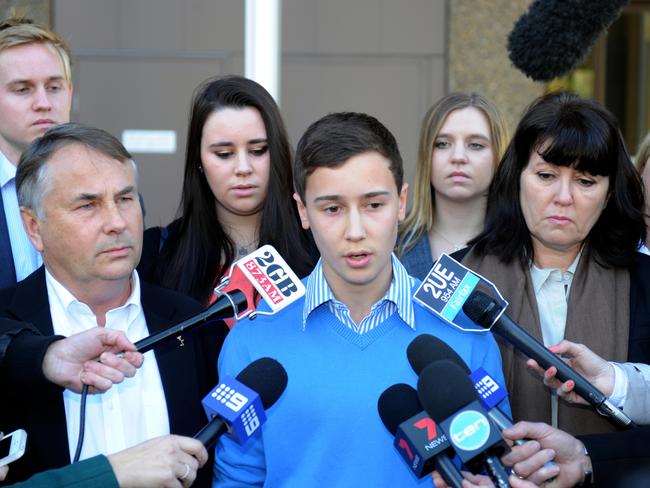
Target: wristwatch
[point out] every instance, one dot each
(588, 473)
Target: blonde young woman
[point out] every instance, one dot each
(461, 142)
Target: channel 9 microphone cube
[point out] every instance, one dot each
(238, 405)
(488, 390)
(471, 432)
(419, 441)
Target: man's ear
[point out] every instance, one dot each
(32, 225)
(304, 220)
(403, 199)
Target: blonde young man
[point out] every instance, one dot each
(35, 94)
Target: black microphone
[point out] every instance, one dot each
(487, 313)
(426, 349)
(266, 378)
(554, 36)
(417, 437)
(448, 395)
(227, 305)
(266, 270)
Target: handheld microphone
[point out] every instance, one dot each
(238, 405)
(417, 438)
(426, 349)
(228, 305)
(485, 311)
(448, 395)
(554, 36)
(271, 276)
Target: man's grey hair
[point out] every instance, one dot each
(32, 183)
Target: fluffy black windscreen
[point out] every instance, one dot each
(554, 36)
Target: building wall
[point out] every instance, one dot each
(478, 57)
(35, 9)
(137, 62)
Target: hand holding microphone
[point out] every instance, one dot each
(583, 360)
(91, 358)
(486, 312)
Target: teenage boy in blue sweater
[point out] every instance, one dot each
(345, 342)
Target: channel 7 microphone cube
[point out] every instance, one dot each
(238, 405)
(419, 440)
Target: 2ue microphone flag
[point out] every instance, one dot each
(446, 288)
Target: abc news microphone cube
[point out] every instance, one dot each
(471, 432)
(238, 405)
(419, 441)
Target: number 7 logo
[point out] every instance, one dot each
(429, 425)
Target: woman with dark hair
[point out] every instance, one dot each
(462, 139)
(564, 219)
(237, 192)
(642, 166)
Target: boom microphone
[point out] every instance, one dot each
(417, 438)
(486, 312)
(448, 395)
(239, 405)
(554, 36)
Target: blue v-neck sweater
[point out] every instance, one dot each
(325, 429)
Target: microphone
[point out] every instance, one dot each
(448, 395)
(487, 313)
(422, 445)
(554, 36)
(228, 305)
(238, 405)
(271, 276)
(426, 349)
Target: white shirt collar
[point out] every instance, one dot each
(68, 303)
(7, 170)
(540, 275)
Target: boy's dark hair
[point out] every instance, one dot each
(332, 140)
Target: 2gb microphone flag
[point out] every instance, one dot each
(271, 276)
(446, 288)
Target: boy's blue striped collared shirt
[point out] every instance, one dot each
(397, 298)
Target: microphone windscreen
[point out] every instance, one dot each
(481, 309)
(426, 349)
(554, 36)
(267, 378)
(397, 404)
(444, 388)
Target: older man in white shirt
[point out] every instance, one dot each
(77, 189)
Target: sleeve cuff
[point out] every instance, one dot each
(24, 360)
(619, 392)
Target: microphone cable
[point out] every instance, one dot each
(82, 423)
